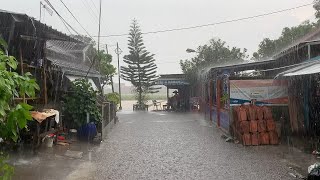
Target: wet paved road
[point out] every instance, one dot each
(179, 146)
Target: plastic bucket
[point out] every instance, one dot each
(48, 142)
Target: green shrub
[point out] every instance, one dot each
(6, 170)
(113, 97)
(80, 100)
(13, 117)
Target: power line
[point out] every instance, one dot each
(92, 13)
(93, 62)
(63, 20)
(216, 23)
(75, 18)
(85, 6)
(65, 25)
(94, 5)
(91, 10)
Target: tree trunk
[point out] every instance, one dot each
(140, 93)
(140, 88)
(102, 89)
(112, 87)
(140, 96)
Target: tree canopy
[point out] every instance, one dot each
(106, 68)
(215, 53)
(140, 68)
(268, 47)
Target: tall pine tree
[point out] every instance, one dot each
(140, 69)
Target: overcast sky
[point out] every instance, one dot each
(153, 15)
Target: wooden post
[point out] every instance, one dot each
(309, 51)
(109, 112)
(167, 94)
(22, 71)
(45, 77)
(218, 101)
(210, 100)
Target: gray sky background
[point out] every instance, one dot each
(152, 15)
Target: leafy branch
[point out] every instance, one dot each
(81, 100)
(13, 116)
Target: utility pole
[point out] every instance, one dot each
(107, 48)
(40, 10)
(111, 78)
(118, 52)
(102, 91)
(99, 27)
(45, 8)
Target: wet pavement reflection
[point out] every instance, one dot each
(164, 145)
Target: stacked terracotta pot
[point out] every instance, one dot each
(255, 126)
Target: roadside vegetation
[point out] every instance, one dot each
(14, 116)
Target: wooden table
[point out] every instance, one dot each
(43, 122)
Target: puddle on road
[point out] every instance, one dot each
(125, 112)
(90, 156)
(161, 114)
(22, 162)
(177, 121)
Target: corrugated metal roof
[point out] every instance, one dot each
(64, 51)
(172, 76)
(311, 36)
(172, 80)
(44, 31)
(70, 56)
(305, 68)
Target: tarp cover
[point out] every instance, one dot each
(41, 116)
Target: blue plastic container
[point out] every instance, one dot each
(87, 132)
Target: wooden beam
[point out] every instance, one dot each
(11, 33)
(210, 100)
(309, 51)
(218, 101)
(22, 71)
(167, 94)
(45, 76)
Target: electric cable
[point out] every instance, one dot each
(215, 23)
(76, 19)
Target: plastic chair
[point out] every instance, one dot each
(156, 104)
